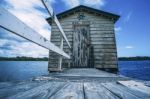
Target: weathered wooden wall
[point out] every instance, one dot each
(102, 38)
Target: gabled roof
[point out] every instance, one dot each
(89, 9)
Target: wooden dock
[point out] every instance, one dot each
(76, 84)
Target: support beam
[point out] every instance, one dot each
(60, 59)
(14, 25)
(51, 13)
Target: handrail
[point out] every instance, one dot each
(51, 13)
(14, 25)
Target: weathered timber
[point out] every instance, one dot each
(76, 84)
(119, 91)
(40, 91)
(52, 14)
(91, 37)
(72, 90)
(97, 91)
(136, 87)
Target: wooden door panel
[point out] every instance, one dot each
(81, 46)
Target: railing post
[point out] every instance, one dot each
(60, 59)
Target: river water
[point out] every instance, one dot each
(23, 70)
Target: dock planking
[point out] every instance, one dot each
(39, 91)
(97, 91)
(119, 91)
(136, 86)
(71, 91)
(55, 87)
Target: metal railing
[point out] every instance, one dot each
(11, 23)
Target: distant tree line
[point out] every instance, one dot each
(23, 58)
(138, 58)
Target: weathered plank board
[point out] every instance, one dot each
(41, 91)
(119, 91)
(138, 86)
(50, 10)
(88, 17)
(108, 35)
(105, 50)
(81, 49)
(147, 83)
(96, 91)
(66, 23)
(71, 91)
(105, 66)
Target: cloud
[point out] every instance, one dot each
(5, 45)
(127, 18)
(94, 3)
(27, 11)
(71, 3)
(4, 34)
(118, 29)
(14, 48)
(129, 47)
(30, 12)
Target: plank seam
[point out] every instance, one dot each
(84, 96)
(111, 91)
(58, 90)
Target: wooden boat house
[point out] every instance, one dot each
(92, 38)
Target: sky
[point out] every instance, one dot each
(132, 29)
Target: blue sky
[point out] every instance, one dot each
(132, 29)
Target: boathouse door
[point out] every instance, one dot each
(81, 49)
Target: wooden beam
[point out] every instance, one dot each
(14, 25)
(60, 59)
(50, 11)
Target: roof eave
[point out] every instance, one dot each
(111, 15)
